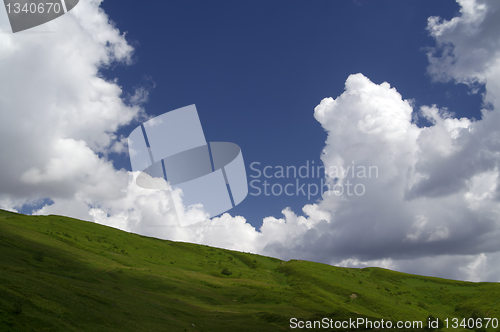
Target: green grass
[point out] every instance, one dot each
(63, 274)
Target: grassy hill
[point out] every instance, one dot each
(63, 274)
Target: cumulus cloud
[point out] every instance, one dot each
(433, 209)
(429, 207)
(427, 200)
(468, 46)
(56, 112)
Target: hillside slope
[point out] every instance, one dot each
(63, 274)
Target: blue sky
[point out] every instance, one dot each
(409, 87)
(257, 69)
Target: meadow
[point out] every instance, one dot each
(64, 274)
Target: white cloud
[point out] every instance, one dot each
(434, 199)
(56, 111)
(468, 46)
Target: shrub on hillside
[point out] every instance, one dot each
(226, 272)
(39, 256)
